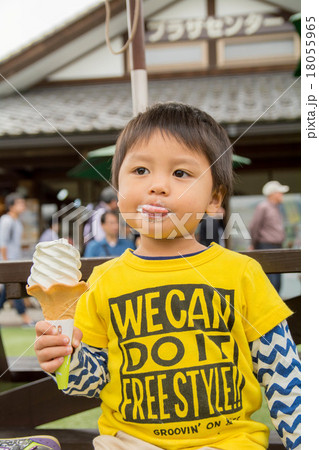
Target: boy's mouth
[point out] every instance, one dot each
(154, 212)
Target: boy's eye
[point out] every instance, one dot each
(180, 173)
(141, 171)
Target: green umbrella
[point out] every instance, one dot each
(100, 162)
(296, 20)
(239, 161)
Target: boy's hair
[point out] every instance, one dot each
(189, 126)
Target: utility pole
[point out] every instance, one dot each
(139, 83)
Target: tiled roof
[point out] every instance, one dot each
(104, 107)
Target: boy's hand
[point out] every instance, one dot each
(51, 347)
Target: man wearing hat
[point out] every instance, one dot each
(267, 226)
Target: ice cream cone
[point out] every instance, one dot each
(59, 300)
(58, 303)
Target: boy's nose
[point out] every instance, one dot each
(158, 188)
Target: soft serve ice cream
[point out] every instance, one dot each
(55, 281)
(55, 262)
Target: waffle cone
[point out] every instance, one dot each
(59, 300)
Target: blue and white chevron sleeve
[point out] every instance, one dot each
(88, 371)
(277, 366)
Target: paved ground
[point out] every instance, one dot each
(9, 317)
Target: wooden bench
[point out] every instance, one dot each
(39, 401)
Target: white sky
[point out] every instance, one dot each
(24, 21)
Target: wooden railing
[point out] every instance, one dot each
(39, 402)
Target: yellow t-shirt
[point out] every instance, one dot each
(178, 333)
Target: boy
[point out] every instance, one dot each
(173, 331)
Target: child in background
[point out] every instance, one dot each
(177, 336)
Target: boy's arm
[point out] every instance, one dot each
(88, 371)
(277, 367)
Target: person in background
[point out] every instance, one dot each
(51, 233)
(267, 227)
(93, 228)
(211, 229)
(111, 245)
(11, 230)
(136, 237)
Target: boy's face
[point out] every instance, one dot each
(165, 188)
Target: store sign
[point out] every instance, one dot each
(215, 27)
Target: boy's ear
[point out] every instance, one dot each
(216, 201)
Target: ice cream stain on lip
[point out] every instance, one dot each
(153, 210)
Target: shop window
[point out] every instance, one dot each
(170, 57)
(258, 50)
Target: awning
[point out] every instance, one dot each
(100, 162)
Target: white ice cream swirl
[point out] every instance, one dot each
(55, 262)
